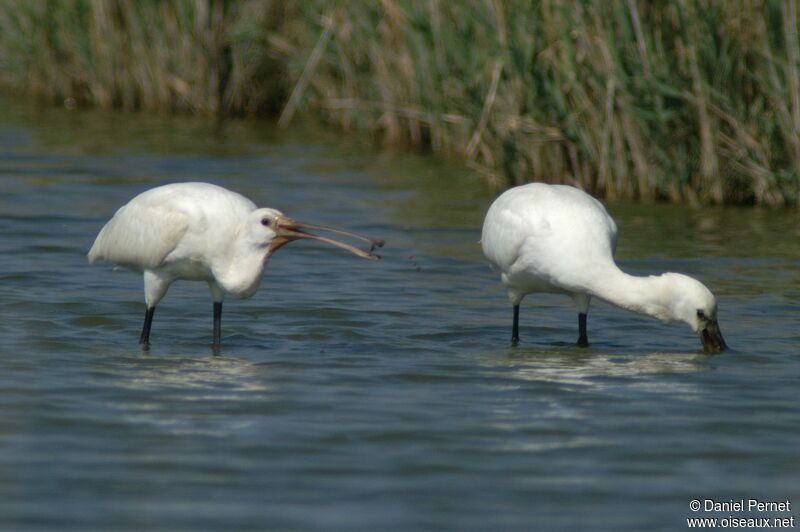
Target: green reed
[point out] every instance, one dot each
(685, 100)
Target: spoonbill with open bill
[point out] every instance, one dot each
(201, 232)
(557, 238)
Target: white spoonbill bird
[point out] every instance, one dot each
(201, 232)
(556, 238)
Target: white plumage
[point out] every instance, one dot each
(556, 238)
(200, 232)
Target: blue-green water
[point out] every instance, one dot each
(358, 395)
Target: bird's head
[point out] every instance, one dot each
(695, 305)
(272, 229)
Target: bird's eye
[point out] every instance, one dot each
(701, 314)
(265, 222)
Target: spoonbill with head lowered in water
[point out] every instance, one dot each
(201, 232)
(556, 238)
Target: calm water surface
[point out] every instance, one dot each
(357, 395)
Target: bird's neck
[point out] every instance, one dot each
(649, 295)
(240, 272)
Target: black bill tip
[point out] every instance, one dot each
(711, 338)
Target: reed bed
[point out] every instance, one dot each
(687, 100)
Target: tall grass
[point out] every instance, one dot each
(181, 55)
(685, 100)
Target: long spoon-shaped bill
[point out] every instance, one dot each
(289, 230)
(373, 242)
(711, 337)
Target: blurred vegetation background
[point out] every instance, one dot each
(682, 100)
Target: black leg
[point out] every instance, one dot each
(148, 321)
(515, 327)
(217, 322)
(583, 339)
